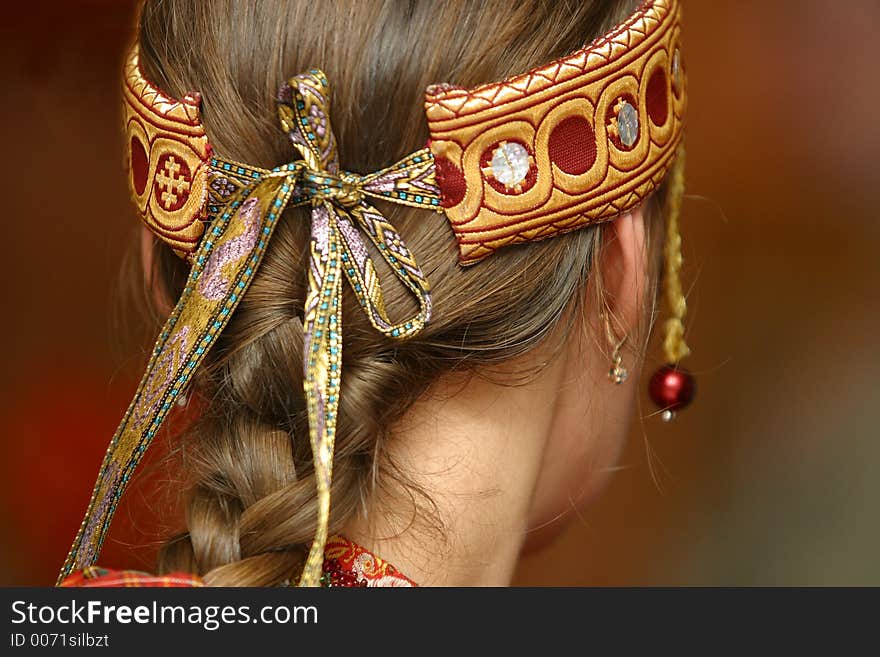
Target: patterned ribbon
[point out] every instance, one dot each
(244, 206)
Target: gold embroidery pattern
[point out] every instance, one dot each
(168, 159)
(627, 91)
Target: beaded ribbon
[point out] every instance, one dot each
(245, 204)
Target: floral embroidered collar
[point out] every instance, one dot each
(346, 564)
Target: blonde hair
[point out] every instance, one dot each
(251, 508)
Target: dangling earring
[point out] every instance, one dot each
(673, 387)
(618, 373)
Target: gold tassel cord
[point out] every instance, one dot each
(674, 346)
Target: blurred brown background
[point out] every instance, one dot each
(769, 479)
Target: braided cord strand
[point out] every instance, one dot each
(674, 346)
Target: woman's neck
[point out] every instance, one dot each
(474, 449)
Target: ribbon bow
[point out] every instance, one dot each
(339, 215)
(244, 206)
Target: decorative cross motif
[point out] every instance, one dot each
(170, 184)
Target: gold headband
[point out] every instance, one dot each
(580, 140)
(575, 142)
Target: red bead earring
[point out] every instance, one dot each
(673, 387)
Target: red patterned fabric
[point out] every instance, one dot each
(346, 564)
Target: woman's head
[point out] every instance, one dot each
(528, 311)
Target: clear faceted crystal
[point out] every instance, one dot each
(510, 164)
(627, 124)
(676, 69)
(618, 374)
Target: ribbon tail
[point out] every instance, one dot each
(322, 366)
(411, 181)
(364, 279)
(223, 267)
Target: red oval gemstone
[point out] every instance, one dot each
(139, 164)
(451, 182)
(572, 145)
(656, 97)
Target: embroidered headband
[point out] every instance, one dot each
(576, 142)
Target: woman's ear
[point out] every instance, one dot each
(592, 413)
(624, 267)
(161, 302)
